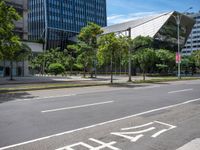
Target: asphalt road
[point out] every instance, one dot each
(154, 117)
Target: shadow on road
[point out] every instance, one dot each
(15, 96)
(127, 85)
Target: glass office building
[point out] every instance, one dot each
(55, 22)
(193, 42)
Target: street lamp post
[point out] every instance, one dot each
(178, 21)
(129, 62)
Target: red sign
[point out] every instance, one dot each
(178, 58)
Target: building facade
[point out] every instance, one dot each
(21, 29)
(193, 42)
(21, 26)
(56, 21)
(161, 27)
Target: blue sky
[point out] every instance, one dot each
(124, 10)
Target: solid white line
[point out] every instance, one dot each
(100, 124)
(180, 91)
(74, 107)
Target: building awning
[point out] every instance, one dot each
(35, 47)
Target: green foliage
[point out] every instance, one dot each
(196, 57)
(56, 68)
(111, 48)
(86, 47)
(71, 56)
(165, 60)
(9, 43)
(49, 57)
(146, 59)
(8, 16)
(140, 42)
(37, 62)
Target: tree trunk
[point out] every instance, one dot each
(4, 67)
(11, 69)
(111, 70)
(91, 73)
(23, 66)
(84, 72)
(71, 70)
(144, 75)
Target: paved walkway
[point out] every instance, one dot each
(59, 79)
(193, 145)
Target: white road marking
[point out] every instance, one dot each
(166, 124)
(136, 127)
(185, 90)
(159, 133)
(100, 124)
(47, 97)
(135, 138)
(74, 107)
(138, 132)
(147, 87)
(103, 145)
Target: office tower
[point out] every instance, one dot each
(56, 22)
(193, 42)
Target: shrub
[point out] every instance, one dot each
(56, 68)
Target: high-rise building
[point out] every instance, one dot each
(56, 21)
(193, 42)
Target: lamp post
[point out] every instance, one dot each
(178, 18)
(129, 62)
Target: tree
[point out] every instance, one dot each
(71, 53)
(165, 60)
(110, 49)
(196, 56)
(146, 59)
(140, 42)
(136, 44)
(37, 62)
(49, 57)
(88, 39)
(56, 68)
(9, 43)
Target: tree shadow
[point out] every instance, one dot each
(127, 85)
(7, 97)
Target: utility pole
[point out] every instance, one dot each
(178, 22)
(129, 62)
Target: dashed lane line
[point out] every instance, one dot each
(74, 107)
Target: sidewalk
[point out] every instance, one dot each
(41, 83)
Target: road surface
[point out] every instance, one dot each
(153, 117)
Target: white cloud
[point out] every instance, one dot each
(115, 19)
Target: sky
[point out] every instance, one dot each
(125, 10)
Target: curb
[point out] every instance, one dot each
(49, 88)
